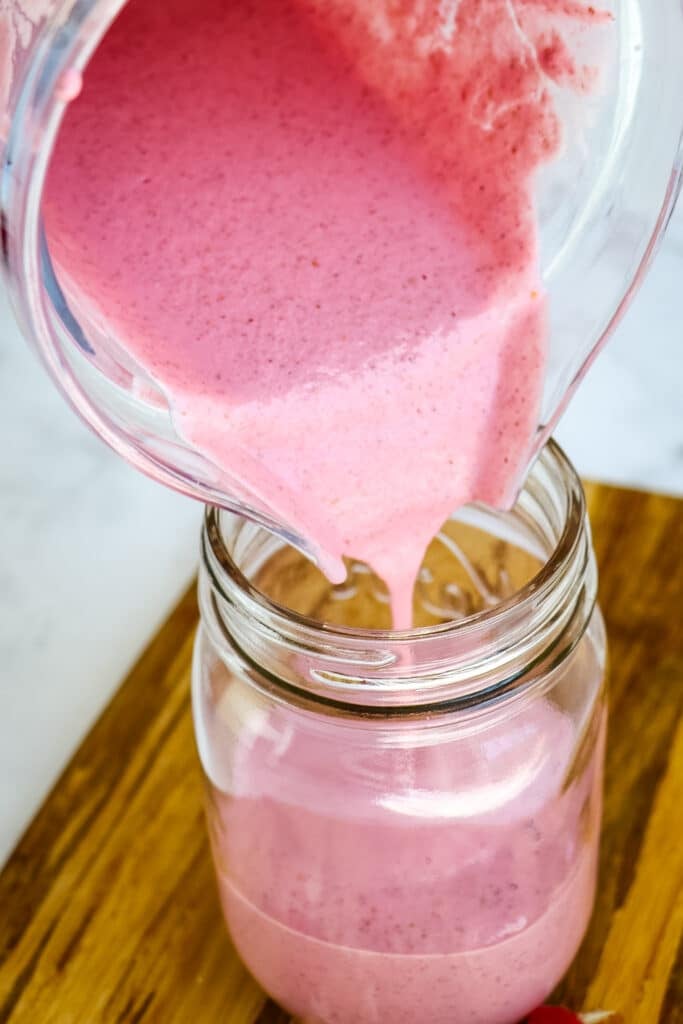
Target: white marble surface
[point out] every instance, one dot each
(94, 555)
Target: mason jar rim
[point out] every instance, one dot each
(223, 570)
(485, 657)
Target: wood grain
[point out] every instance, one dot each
(108, 908)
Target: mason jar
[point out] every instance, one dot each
(405, 825)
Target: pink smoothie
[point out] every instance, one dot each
(445, 885)
(312, 224)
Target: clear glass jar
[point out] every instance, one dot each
(602, 208)
(405, 825)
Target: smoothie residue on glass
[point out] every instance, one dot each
(312, 223)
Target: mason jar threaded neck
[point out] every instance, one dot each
(495, 654)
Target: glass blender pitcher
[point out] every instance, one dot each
(602, 205)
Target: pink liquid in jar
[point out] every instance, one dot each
(453, 888)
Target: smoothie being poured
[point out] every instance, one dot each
(312, 224)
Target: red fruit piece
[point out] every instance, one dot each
(553, 1015)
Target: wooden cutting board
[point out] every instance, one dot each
(108, 912)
